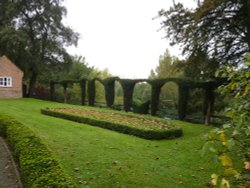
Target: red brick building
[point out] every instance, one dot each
(11, 79)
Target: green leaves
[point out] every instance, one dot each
(232, 140)
(214, 27)
(33, 36)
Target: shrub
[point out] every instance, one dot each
(230, 143)
(38, 168)
(141, 108)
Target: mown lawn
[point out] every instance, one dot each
(97, 157)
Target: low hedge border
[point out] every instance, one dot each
(37, 166)
(146, 134)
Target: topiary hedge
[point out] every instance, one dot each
(109, 86)
(154, 134)
(91, 92)
(83, 90)
(38, 168)
(156, 85)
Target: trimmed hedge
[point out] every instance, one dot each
(91, 92)
(38, 168)
(147, 134)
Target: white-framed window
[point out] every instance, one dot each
(5, 81)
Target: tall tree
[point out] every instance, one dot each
(167, 66)
(219, 28)
(32, 35)
(76, 70)
(199, 66)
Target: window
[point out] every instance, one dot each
(5, 82)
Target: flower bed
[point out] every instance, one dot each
(142, 126)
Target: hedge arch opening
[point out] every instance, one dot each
(128, 86)
(74, 94)
(58, 93)
(118, 102)
(142, 98)
(168, 101)
(100, 93)
(196, 105)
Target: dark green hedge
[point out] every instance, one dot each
(109, 86)
(147, 134)
(91, 92)
(38, 168)
(141, 108)
(83, 90)
(156, 85)
(128, 86)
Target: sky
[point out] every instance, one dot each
(120, 35)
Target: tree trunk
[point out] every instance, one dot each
(52, 91)
(209, 103)
(65, 94)
(246, 4)
(32, 84)
(208, 113)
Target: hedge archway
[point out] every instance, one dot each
(109, 87)
(83, 90)
(156, 85)
(128, 86)
(91, 92)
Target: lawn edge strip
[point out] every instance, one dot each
(146, 134)
(37, 165)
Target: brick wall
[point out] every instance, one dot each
(9, 69)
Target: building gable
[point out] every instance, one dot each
(11, 79)
(7, 65)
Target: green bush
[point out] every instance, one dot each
(147, 134)
(142, 108)
(38, 168)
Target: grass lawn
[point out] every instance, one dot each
(97, 157)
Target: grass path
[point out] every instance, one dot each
(96, 157)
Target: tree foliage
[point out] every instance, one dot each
(32, 35)
(219, 28)
(231, 142)
(169, 66)
(78, 69)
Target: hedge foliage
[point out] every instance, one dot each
(142, 108)
(156, 85)
(83, 90)
(109, 86)
(147, 134)
(91, 92)
(128, 86)
(38, 168)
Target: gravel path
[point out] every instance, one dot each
(9, 176)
